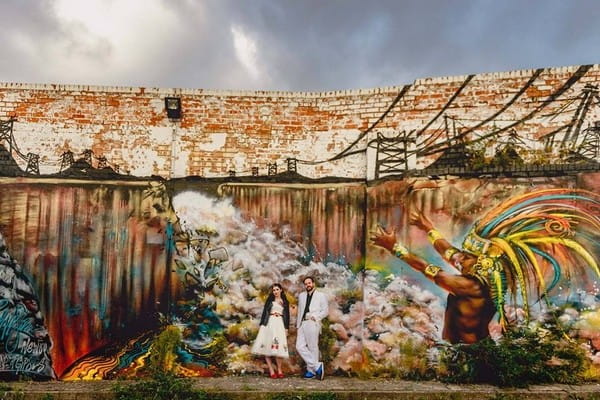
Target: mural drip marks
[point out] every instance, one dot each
(97, 256)
(326, 220)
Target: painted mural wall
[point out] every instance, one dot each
(250, 237)
(92, 272)
(473, 257)
(105, 267)
(85, 267)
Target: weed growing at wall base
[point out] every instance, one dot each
(163, 386)
(523, 356)
(162, 356)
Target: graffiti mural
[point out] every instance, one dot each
(409, 266)
(230, 258)
(25, 340)
(461, 260)
(222, 258)
(443, 261)
(96, 261)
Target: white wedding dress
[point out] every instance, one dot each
(272, 339)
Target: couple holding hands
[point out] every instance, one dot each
(271, 340)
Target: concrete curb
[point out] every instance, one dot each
(259, 388)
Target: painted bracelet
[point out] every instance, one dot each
(431, 270)
(434, 235)
(450, 252)
(399, 250)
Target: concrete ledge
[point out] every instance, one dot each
(259, 388)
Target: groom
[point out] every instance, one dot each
(312, 308)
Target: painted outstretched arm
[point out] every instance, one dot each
(455, 284)
(440, 244)
(387, 240)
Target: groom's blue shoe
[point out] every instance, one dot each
(320, 372)
(308, 375)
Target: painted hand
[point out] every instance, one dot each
(383, 238)
(419, 220)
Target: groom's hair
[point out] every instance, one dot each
(309, 277)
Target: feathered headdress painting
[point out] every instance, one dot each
(528, 244)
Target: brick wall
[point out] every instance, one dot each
(222, 131)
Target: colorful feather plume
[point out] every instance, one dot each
(529, 244)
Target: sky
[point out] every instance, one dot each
(288, 45)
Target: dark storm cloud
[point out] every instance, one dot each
(299, 45)
(339, 44)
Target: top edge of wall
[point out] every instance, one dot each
(193, 92)
(266, 93)
(519, 73)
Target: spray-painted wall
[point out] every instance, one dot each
(548, 231)
(95, 258)
(93, 271)
(109, 264)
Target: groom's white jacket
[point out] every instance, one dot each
(318, 308)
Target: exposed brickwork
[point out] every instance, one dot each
(223, 131)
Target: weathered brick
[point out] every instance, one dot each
(218, 126)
